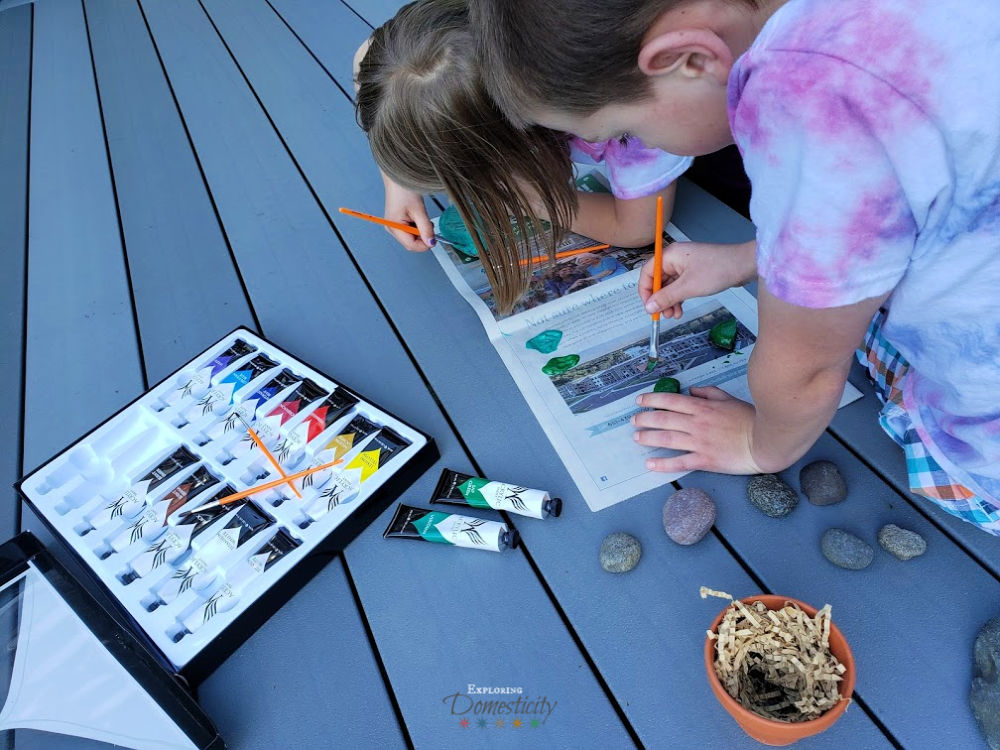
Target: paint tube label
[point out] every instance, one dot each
(461, 531)
(166, 549)
(482, 493)
(216, 401)
(130, 502)
(342, 489)
(193, 387)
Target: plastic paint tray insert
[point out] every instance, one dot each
(198, 583)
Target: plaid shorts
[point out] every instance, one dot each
(886, 367)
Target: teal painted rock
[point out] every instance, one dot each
(667, 385)
(723, 334)
(558, 365)
(453, 229)
(546, 342)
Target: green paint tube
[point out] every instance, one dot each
(455, 488)
(448, 528)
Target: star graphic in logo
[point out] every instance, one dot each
(500, 723)
(482, 723)
(464, 723)
(535, 723)
(516, 723)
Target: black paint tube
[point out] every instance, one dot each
(179, 538)
(448, 528)
(455, 488)
(237, 579)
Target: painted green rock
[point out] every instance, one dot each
(667, 385)
(558, 365)
(453, 229)
(723, 334)
(546, 342)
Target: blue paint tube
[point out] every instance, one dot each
(179, 537)
(217, 400)
(246, 410)
(194, 385)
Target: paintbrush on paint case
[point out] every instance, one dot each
(654, 331)
(266, 452)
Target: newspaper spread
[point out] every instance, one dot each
(584, 314)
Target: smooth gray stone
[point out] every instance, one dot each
(688, 514)
(845, 550)
(985, 694)
(901, 543)
(771, 495)
(620, 552)
(822, 483)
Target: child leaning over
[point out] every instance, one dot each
(869, 131)
(432, 127)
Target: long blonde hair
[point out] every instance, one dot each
(432, 126)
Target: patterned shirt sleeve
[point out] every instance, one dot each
(634, 170)
(821, 144)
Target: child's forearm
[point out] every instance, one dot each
(625, 223)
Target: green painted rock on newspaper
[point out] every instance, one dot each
(546, 342)
(453, 229)
(723, 334)
(558, 365)
(667, 385)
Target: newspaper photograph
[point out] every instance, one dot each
(576, 345)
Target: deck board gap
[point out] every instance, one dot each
(201, 172)
(114, 192)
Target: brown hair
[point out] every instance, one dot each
(574, 56)
(432, 127)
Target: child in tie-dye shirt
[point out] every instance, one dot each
(870, 130)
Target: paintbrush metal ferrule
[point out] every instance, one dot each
(654, 341)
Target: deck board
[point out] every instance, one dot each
(187, 292)
(82, 360)
(15, 80)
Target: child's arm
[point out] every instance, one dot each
(797, 373)
(625, 223)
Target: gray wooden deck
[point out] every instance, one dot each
(170, 169)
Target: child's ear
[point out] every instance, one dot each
(689, 52)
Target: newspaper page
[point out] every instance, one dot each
(576, 345)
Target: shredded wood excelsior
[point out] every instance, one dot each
(777, 664)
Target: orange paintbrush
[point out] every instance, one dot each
(654, 333)
(270, 457)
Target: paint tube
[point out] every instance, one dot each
(222, 394)
(179, 538)
(448, 528)
(292, 446)
(200, 571)
(153, 520)
(228, 594)
(268, 427)
(135, 498)
(196, 385)
(455, 488)
(247, 408)
(346, 483)
(353, 434)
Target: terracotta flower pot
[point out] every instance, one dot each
(772, 732)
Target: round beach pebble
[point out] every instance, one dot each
(688, 514)
(985, 694)
(822, 483)
(620, 552)
(771, 495)
(901, 543)
(845, 550)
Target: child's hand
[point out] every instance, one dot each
(695, 269)
(714, 428)
(407, 207)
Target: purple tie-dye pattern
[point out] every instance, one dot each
(869, 131)
(634, 170)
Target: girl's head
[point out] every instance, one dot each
(433, 127)
(657, 69)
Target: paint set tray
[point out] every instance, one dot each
(128, 497)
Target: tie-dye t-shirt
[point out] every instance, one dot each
(870, 130)
(633, 170)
